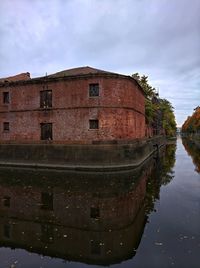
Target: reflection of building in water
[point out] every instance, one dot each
(94, 218)
(193, 149)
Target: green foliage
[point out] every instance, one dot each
(150, 109)
(143, 81)
(168, 118)
(159, 112)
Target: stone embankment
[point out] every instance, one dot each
(97, 156)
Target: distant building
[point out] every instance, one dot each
(77, 105)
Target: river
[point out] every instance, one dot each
(146, 218)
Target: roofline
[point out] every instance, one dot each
(45, 79)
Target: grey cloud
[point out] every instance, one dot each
(158, 38)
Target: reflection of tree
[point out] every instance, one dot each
(193, 149)
(161, 175)
(167, 173)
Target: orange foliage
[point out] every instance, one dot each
(192, 123)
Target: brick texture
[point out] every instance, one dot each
(119, 108)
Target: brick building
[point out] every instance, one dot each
(77, 105)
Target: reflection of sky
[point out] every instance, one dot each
(22, 258)
(158, 38)
(172, 237)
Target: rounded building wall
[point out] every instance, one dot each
(117, 113)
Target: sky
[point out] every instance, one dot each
(158, 38)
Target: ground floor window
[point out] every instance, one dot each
(47, 201)
(46, 131)
(6, 201)
(47, 233)
(7, 231)
(95, 247)
(6, 126)
(95, 213)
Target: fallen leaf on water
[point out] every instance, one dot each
(158, 243)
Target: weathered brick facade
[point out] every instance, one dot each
(116, 113)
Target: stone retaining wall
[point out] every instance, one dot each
(91, 156)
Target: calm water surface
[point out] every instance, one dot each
(146, 218)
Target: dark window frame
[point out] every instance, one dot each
(95, 247)
(94, 90)
(6, 97)
(47, 201)
(95, 212)
(46, 130)
(47, 233)
(94, 124)
(7, 231)
(6, 201)
(6, 126)
(46, 99)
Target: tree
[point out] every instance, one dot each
(192, 123)
(159, 112)
(168, 118)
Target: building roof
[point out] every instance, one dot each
(68, 74)
(18, 77)
(79, 71)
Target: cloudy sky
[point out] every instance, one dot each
(158, 38)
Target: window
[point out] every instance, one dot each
(46, 99)
(6, 126)
(6, 97)
(46, 131)
(47, 201)
(6, 201)
(95, 213)
(7, 231)
(94, 123)
(47, 233)
(93, 90)
(95, 247)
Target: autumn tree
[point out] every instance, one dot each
(192, 123)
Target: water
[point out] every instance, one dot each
(149, 217)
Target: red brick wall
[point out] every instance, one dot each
(119, 109)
